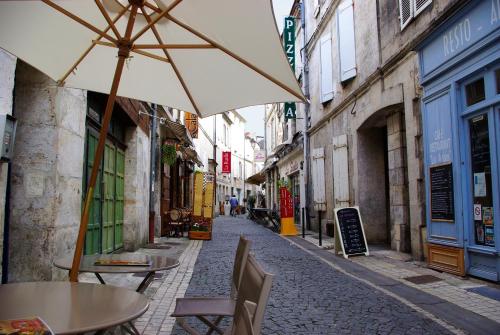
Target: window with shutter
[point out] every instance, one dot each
(420, 5)
(318, 176)
(326, 71)
(340, 171)
(346, 40)
(405, 12)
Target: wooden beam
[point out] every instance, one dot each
(236, 57)
(174, 67)
(122, 55)
(152, 22)
(108, 19)
(80, 20)
(172, 46)
(60, 82)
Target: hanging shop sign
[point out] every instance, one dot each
(289, 45)
(191, 123)
(226, 162)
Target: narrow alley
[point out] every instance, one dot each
(314, 291)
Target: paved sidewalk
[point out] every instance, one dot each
(457, 290)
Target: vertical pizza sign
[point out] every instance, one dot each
(226, 162)
(191, 122)
(289, 45)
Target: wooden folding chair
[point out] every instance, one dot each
(242, 323)
(220, 307)
(253, 294)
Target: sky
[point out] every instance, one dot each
(255, 115)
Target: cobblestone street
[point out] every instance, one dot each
(308, 296)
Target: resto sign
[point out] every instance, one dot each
(349, 234)
(478, 21)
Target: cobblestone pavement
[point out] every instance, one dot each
(308, 296)
(399, 266)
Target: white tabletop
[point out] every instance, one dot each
(70, 308)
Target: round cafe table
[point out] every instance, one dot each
(87, 264)
(70, 308)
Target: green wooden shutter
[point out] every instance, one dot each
(92, 238)
(119, 197)
(108, 208)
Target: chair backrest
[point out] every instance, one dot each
(255, 287)
(242, 321)
(240, 260)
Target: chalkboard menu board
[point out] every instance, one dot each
(442, 201)
(350, 231)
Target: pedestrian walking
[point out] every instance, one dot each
(234, 203)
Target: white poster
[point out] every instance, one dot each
(477, 212)
(479, 184)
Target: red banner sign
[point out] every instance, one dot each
(286, 203)
(226, 162)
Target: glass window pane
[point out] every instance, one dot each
(474, 92)
(482, 193)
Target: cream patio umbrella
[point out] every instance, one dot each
(200, 56)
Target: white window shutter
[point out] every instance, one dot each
(346, 40)
(340, 171)
(318, 174)
(405, 12)
(420, 5)
(326, 68)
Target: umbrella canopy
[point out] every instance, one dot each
(199, 56)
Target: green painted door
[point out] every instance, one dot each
(108, 206)
(105, 228)
(93, 236)
(119, 197)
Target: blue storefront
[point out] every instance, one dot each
(460, 74)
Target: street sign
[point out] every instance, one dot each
(191, 122)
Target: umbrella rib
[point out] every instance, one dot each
(174, 67)
(152, 22)
(150, 55)
(108, 19)
(172, 46)
(63, 79)
(151, 6)
(235, 56)
(79, 20)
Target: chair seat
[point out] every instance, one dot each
(204, 306)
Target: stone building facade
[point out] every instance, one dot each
(365, 112)
(56, 128)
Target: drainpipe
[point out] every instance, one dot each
(152, 174)
(305, 85)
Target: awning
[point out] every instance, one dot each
(192, 155)
(177, 131)
(257, 178)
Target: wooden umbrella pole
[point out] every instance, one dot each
(123, 53)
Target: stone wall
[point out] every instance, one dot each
(136, 215)
(46, 176)
(7, 71)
